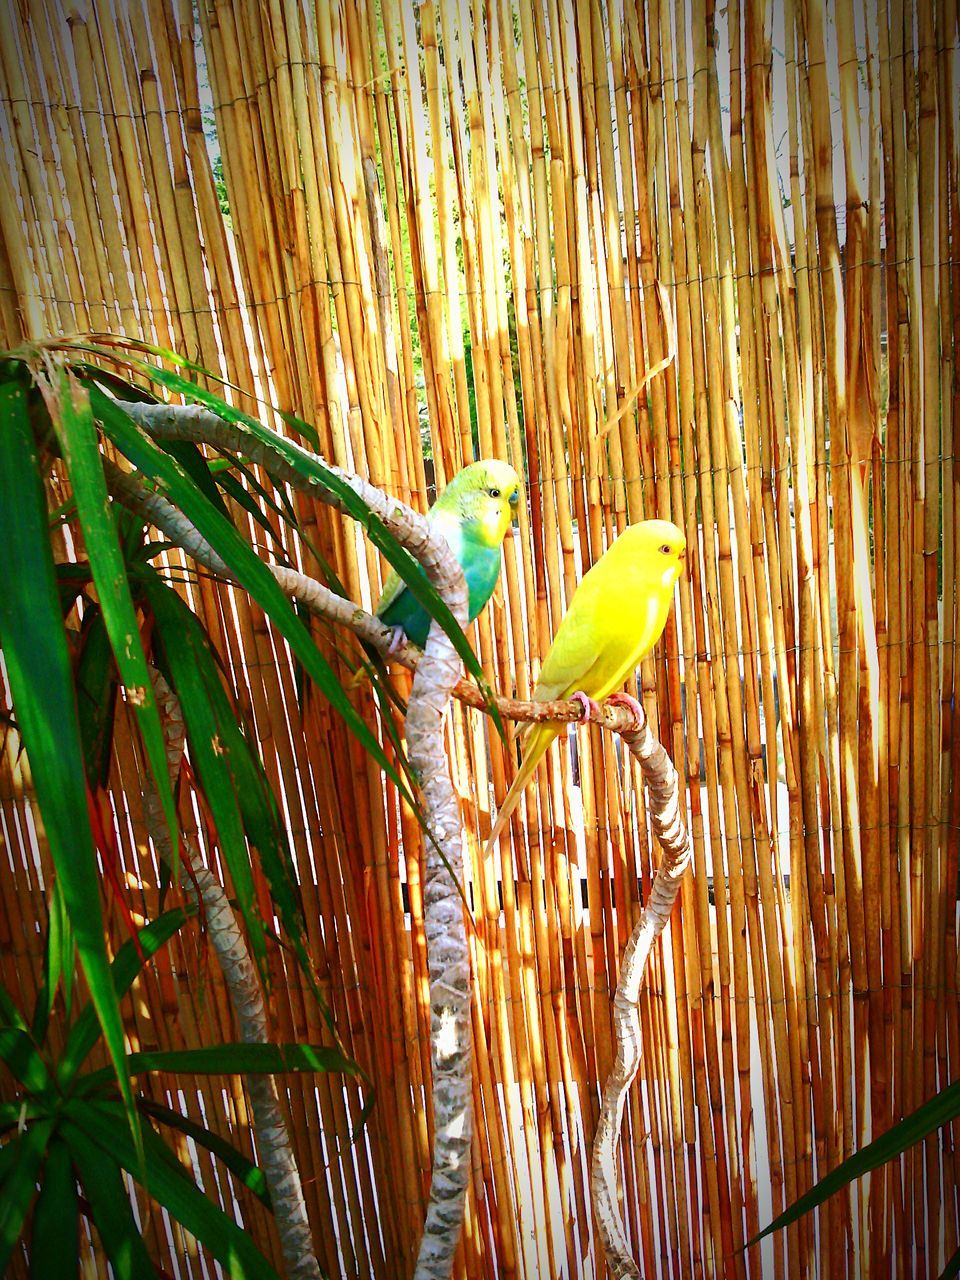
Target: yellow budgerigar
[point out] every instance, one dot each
(616, 616)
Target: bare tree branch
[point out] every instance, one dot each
(240, 975)
(437, 671)
(663, 786)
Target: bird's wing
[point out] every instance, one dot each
(392, 587)
(574, 649)
(439, 519)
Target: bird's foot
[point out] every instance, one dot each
(624, 700)
(591, 709)
(397, 641)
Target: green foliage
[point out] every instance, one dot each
(35, 651)
(54, 403)
(73, 635)
(79, 640)
(941, 1109)
(67, 1129)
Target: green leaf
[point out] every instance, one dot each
(952, 1268)
(216, 745)
(15, 1113)
(127, 964)
(178, 1193)
(195, 465)
(10, 1015)
(78, 438)
(72, 581)
(20, 1183)
(244, 1170)
(96, 697)
(180, 362)
(41, 684)
(117, 386)
(252, 574)
(938, 1110)
(57, 964)
(232, 486)
(245, 1059)
(55, 1240)
(109, 1203)
(314, 469)
(19, 1055)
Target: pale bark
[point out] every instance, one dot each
(663, 786)
(437, 673)
(436, 679)
(246, 995)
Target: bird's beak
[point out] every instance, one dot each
(514, 501)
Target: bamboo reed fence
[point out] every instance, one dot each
(461, 230)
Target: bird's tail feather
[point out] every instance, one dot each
(538, 740)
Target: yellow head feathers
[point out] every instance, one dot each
(484, 498)
(656, 544)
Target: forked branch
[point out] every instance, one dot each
(437, 672)
(437, 677)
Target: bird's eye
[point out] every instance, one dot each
(494, 493)
(666, 548)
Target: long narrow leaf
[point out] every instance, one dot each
(57, 965)
(107, 344)
(178, 1194)
(195, 465)
(127, 964)
(19, 1055)
(55, 1239)
(41, 684)
(315, 469)
(232, 773)
(939, 1110)
(244, 1170)
(20, 1184)
(10, 1015)
(216, 744)
(96, 697)
(109, 1203)
(241, 1059)
(78, 439)
(250, 571)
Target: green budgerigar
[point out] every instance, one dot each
(473, 513)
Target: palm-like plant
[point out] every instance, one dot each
(69, 634)
(68, 1126)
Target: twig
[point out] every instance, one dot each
(665, 818)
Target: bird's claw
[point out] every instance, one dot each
(591, 709)
(397, 641)
(625, 700)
